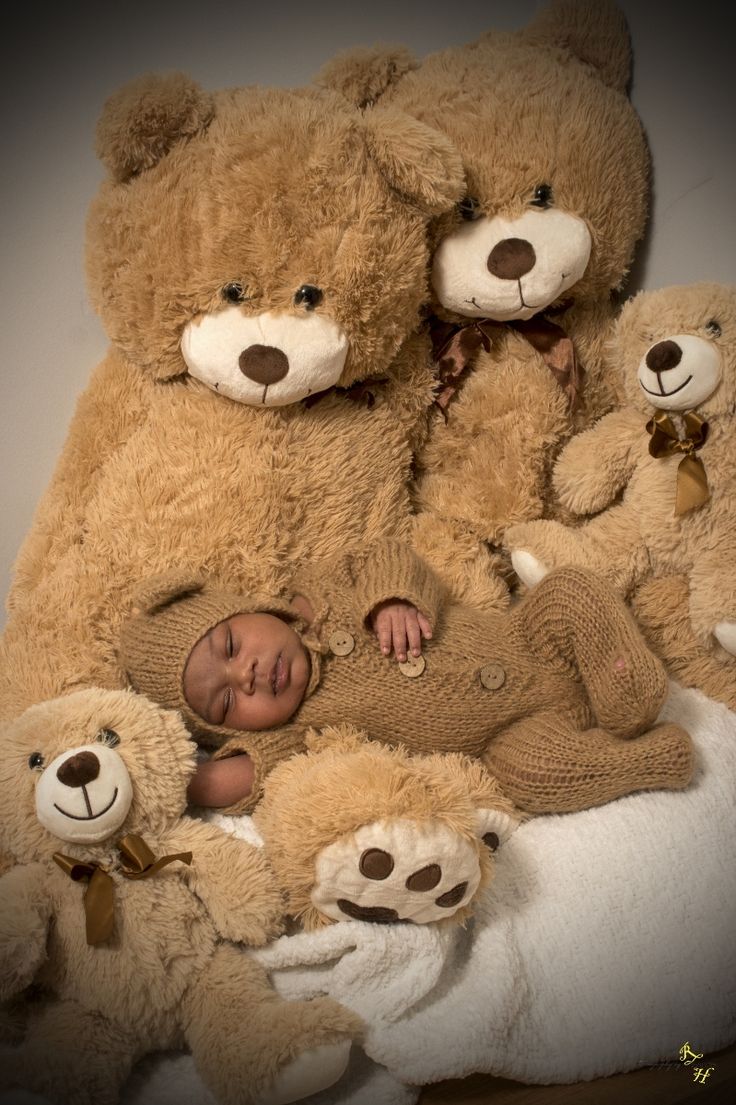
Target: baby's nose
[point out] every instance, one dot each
(246, 676)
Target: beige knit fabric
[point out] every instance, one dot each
(563, 676)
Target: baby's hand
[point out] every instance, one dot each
(397, 623)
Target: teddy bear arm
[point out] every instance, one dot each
(233, 880)
(713, 590)
(596, 464)
(107, 412)
(25, 913)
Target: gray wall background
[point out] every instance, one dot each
(58, 66)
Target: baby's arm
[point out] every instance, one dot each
(233, 779)
(397, 594)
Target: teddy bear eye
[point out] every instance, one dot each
(233, 292)
(308, 295)
(108, 737)
(713, 328)
(542, 196)
(469, 208)
(35, 760)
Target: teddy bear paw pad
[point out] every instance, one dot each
(399, 870)
(310, 1072)
(529, 570)
(725, 634)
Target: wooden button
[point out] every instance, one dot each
(492, 676)
(341, 643)
(413, 666)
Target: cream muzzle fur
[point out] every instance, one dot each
(84, 795)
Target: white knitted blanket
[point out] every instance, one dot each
(605, 942)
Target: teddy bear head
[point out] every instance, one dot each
(676, 347)
(357, 830)
(269, 243)
(555, 159)
(91, 767)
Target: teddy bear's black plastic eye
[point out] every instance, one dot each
(35, 760)
(542, 196)
(233, 293)
(713, 328)
(469, 208)
(108, 737)
(309, 295)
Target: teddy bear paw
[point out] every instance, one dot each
(725, 634)
(397, 870)
(529, 570)
(312, 1071)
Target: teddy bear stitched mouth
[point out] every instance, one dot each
(91, 816)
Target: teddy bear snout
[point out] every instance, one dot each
(511, 258)
(79, 770)
(663, 356)
(264, 364)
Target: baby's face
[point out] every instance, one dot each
(248, 672)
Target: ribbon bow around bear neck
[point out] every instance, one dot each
(456, 344)
(137, 862)
(692, 483)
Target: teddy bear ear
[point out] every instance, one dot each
(495, 826)
(417, 161)
(145, 118)
(160, 591)
(594, 31)
(362, 75)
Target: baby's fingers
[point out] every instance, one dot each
(424, 624)
(413, 632)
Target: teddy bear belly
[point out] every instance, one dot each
(162, 939)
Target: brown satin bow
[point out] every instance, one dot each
(137, 862)
(692, 482)
(455, 345)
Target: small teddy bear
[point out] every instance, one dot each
(670, 450)
(124, 915)
(526, 268)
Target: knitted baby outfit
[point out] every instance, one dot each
(543, 693)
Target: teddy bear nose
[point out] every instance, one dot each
(511, 258)
(265, 364)
(664, 355)
(79, 770)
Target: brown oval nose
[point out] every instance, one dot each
(79, 770)
(511, 258)
(664, 355)
(265, 364)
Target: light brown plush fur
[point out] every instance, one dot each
(172, 972)
(544, 105)
(268, 190)
(636, 536)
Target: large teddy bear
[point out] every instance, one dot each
(525, 269)
(254, 254)
(129, 920)
(658, 476)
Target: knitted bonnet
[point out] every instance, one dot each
(171, 612)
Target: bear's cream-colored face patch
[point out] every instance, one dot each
(84, 795)
(507, 269)
(679, 372)
(266, 360)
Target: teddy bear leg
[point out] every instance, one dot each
(610, 545)
(71, 1054)
(576, 615)
(546, 765)
(254, 1048)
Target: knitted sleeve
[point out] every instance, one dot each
(266, 748)
(390, 569)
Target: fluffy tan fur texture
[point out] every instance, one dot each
(546, 104)
(637, 536)
(269, 190)
(171, 974)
